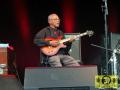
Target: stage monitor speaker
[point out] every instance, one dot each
(75, 50)
(9, 82)
(47, 78)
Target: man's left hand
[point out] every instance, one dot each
(72, 39)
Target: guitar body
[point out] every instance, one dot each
(51, 50)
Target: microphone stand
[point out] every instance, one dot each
(105, 10)
(113, 59)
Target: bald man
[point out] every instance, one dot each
(49, 39)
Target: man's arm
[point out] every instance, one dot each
(39, 39)
(68, 44)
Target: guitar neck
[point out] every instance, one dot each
(64, 40)
(74, 37)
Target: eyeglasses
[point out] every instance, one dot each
(55, 19)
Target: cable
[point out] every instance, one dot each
(18, 77)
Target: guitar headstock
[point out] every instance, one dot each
(89, 33)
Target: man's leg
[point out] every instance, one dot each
(69, 61)
(54, 61)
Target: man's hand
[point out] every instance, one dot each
(62, 46)
(54, 43)
(72, 39)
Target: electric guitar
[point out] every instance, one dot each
(52, 50)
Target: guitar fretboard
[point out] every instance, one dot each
(75, 37)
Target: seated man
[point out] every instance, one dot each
(50, 41)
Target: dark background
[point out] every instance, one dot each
(20, 20)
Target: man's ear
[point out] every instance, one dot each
(49, 21)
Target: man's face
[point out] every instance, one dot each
(54, 21)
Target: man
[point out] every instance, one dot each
(49, 41)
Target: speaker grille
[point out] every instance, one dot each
(60, 77)
(75, 50)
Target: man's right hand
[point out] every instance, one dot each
(54, 43)
(62, 45)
